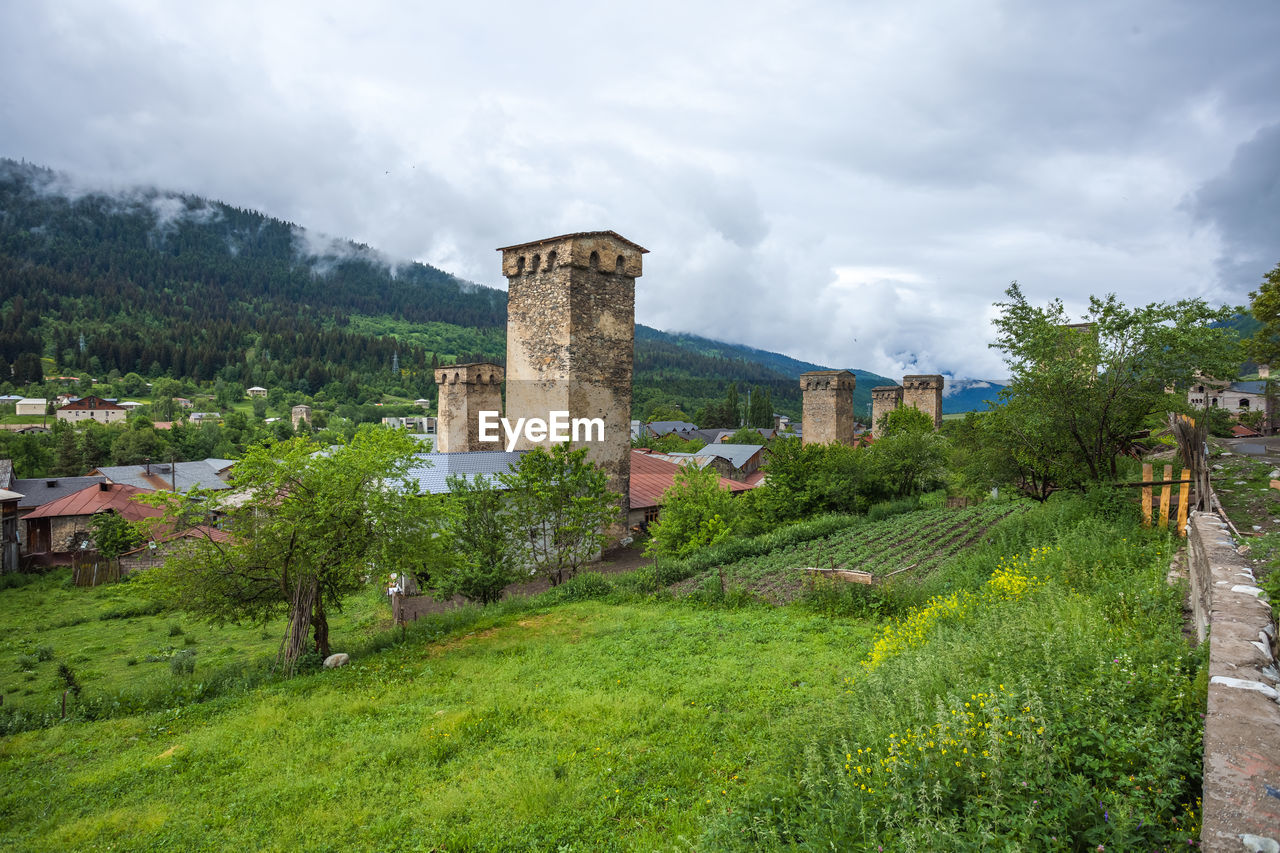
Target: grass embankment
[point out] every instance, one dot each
(1033, 692)
(588, 725)
(120, 648)
(1045, 701)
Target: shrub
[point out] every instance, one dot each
(68, 677)
(183, 663)
(44, 653)
(582, 587)
(26, 661)
(175, 630)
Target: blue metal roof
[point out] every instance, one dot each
(1254, 386)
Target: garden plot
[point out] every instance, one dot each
(917, 543)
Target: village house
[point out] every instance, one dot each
(1238, 398)
(31, 406)
(92, 408)
(56, 530)
(738, 462)
(257, 391)
(40, 491)
(652, 474)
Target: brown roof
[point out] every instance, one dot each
(91, 402)
(651, 477)
(200, 531)
(99, 498)
(613, 234)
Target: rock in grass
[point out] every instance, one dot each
(335, 661)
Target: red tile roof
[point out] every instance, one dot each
(99, 498)
(651, 477)
(1242, 431)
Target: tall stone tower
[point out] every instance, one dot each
(924, 391)
(465, 391)
(884, 399)
(571, 330)
(828, 406)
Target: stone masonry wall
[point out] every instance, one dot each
(827, 397)
(571, 339)
(465, 391)
(924, 391)
(884, 399)
(1242, 720)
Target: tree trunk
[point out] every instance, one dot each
(320, 624)
(305, 595)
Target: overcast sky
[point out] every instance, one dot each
(849, 183)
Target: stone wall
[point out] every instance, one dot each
(571, 340)
(884, 399)
(465, 391)
(66, 532)
(827, 397)
(1242, 720)
(924, 391)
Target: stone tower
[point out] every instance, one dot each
(571, 307)
(884, 399)
(299, 414)
(828, 406)
(465, 391)
(925, 393)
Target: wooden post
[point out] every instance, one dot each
(1166, 493)
(1147, 477)
(1184, 494)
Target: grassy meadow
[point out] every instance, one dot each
(1031, 690)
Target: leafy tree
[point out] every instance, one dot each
(67, 460)
(113, 535)
(562, 503)
(911, 463)
(1264, 346)
(696, 512)
(904, 419)
(1080, 392)
(305, 524)
(478, 528)
(746, 435)
(132, 384)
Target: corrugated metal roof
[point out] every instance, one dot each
(99, 498)
(432, 470)
(6, 495)
(1253, 386)
(661, 428)
(737, 454)
(202, 473)
(43, 490)
(651, 476)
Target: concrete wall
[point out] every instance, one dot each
(1242, 720)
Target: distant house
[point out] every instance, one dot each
(92, 408)
(170, 476)
(29, 406)
(658, 429)
(423, 403)
(734, 461)
(257, 391)
(201, 417)
(414, 424)
(56, 530)
(1238, 398)
(652, 474)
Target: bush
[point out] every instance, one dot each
(13, 580)
(131, 611)
(581, 587)
(175, 630)
(26, 661)
(44, 653)
(183, 663)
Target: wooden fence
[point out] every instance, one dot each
(90, 569)
(1164, 506)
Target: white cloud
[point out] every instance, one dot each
(852, 184)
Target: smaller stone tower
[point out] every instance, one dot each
(300, 414)
(884, 399)
(828, 406)
(924, 391)
(466, 390)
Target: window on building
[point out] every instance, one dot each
(651, 514)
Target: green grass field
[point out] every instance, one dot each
(1033, 691)
(113, 641)
(587, 726)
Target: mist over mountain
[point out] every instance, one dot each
(167, 284)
